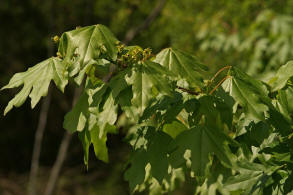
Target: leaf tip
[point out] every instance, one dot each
(7, 109)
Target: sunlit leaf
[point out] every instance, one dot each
(284, 73)
(36, 81)
(182, 64)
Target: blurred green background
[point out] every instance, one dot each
(256, 35)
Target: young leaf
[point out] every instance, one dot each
(284, 73)
(136, 173)
(78, 47)
(89, 111)
(202, 141)
(283, 104)
(174, 129)
(118, 83)
(252, 178)
(159, 145)
(216, 112)
(251, 94)
(36, 81)
(144, 78)
(108, 114)
(85, 139)
(182, 64)
(76, 119)
(165, 108)
(99, 142)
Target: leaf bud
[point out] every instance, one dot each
(55, 39)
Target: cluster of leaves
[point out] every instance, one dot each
(233, 136)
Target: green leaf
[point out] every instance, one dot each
(76, 119)
(182, 64)
(165, 108)
(36, 81)
(283, 104)
(212, 189)
(202, 142)
(284, 73)
(216, 112)
(174, 129)
(251, 94)
(96, 70)
(255, 134)
(94, 120)
(159, 145)
(252, 177)
(144, 78)
(107, 115)
(78, 47)
(118, 83)
(85, 139)
(95, 106)
(136, 173)
(99, 142)
(288, 186)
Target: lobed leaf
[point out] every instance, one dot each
(202, 141)
(144, 78)
(252, 178)
(93, 116)
(284, 73)
(135, 175)
(76, 119)
(251, 94)
(36, 81)
(182, 64)
(159, 145)
(78, 47)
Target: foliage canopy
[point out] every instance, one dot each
(228, 135)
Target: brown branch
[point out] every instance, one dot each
(187, 90)
(216, 87)
(151, 17)
(61, 153)
(58, 163)
(219, 71)
(38, 143)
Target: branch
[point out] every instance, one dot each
(38, 143)
(151, 17)
(226, 77)
(58, 164)
(187, 90)
(61, 153)
(219, 71)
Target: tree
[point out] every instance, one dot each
(226, 135)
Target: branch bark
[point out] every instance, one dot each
(187, 90)
(38, 144)
(58, 163)
(53, 178)
(151, 17)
